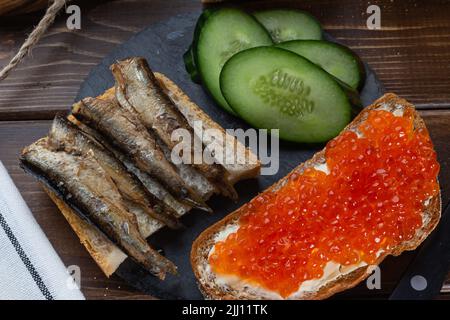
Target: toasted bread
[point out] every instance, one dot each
(105, 253)
(336, 280)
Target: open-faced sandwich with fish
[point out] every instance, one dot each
(107, 165)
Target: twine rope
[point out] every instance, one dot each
(34, 36)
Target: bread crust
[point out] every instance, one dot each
(205, 241)
(105, 253)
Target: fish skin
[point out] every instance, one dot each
(129, 135)
(190, 175)
(65, 136)
(151, 185)
(78, 179)
(137, 89)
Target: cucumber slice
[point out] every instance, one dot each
(219, 35)
(189, 64)
(274, 88)
(285, 25)
(334, 58)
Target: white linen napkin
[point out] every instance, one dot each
(29, 266)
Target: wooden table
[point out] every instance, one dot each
(410, 54)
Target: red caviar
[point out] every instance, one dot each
(371, 200)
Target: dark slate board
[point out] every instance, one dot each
(163, 45)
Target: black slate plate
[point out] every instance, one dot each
(163, 45)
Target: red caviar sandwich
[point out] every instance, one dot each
(372, 192)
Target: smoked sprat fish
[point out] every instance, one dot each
(65, 136)
(138, 90)
(85, 185)
(112, 174)
(155, 188)
(129, 135)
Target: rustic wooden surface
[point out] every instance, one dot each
(14, 7)
(411, 55)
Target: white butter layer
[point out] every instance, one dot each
(397, 112)
(331, 272)
(322, 167)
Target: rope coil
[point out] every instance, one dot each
(34, 36)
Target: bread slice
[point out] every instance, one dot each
(336, 277)
(104, 252)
